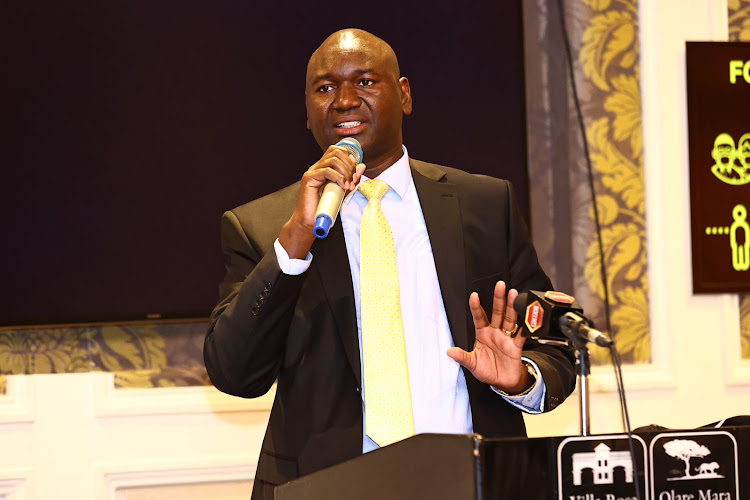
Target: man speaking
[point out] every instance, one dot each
(368, 330)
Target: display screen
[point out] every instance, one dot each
(131, 126)
(718, 80)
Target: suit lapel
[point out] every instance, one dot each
(442, 214)
(333, 266)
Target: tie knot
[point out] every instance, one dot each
(374, 189)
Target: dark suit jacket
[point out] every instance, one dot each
(303, 331)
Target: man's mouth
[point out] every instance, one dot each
(346, 125)
(349, 128)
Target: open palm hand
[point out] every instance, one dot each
(496, 357)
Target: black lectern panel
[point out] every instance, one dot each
(701, 464)
(426, 466)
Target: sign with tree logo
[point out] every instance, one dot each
(718, 85)
(694, 466)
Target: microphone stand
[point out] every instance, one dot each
(570, 326)
(583, 363)
(578, 330)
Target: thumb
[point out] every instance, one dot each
(462, 357)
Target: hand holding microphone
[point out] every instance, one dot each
(337, 167)
(333, 194)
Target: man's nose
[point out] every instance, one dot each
(346, 97)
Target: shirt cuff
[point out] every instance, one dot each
(532, 401)
(290, 266)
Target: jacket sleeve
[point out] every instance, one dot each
(247, 333)
(557, 363)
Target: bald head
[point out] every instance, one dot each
(354, 40)
(354, 89)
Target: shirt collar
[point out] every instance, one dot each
(397, 176)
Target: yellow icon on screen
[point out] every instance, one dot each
(731, 164)
(739, 239)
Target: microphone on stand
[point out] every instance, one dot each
(333, 195)
(551, 313)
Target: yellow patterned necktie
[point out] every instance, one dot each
(386, 376)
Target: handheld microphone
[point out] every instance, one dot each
(551, 313)
(333, 195)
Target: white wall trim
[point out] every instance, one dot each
(674, 310)
(112, 402)
(17, 404)
(112, 476)
(15, 484)
(636, 378)
(655, 183)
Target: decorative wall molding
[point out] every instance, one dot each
(636, 378)
(113, 476)
(15, 484)
(112, 402)
(17, 404)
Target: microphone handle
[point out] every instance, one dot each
(333, 196)
(328, 209)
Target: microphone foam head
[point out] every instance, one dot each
(353, 146)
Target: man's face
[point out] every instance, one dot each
(353, 90)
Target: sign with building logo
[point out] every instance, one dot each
(718, 85)
(694, 466)
(601, 468)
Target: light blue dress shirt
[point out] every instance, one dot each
(440, 399)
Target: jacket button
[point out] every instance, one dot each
(267, 288)
(256, 310)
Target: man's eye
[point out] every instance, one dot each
(366, 82)
(325, 88)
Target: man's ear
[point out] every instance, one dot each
(308, 123)
(406, 103)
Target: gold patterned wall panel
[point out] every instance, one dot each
(139, 355)
(739, 31)
(739, 20)
(609, 60)
(604, 41)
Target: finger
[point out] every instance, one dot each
(334, 149)
(343, 164)
(333, 169)
(344, 155)
(338, 158)
(358, 174)
(511, 320)
(465, 359)
(349, 156)
(318, 178)
(498, 305)
(511, 316)
(477, 313)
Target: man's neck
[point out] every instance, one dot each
(379, 166)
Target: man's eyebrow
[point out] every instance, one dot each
(329, 76)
